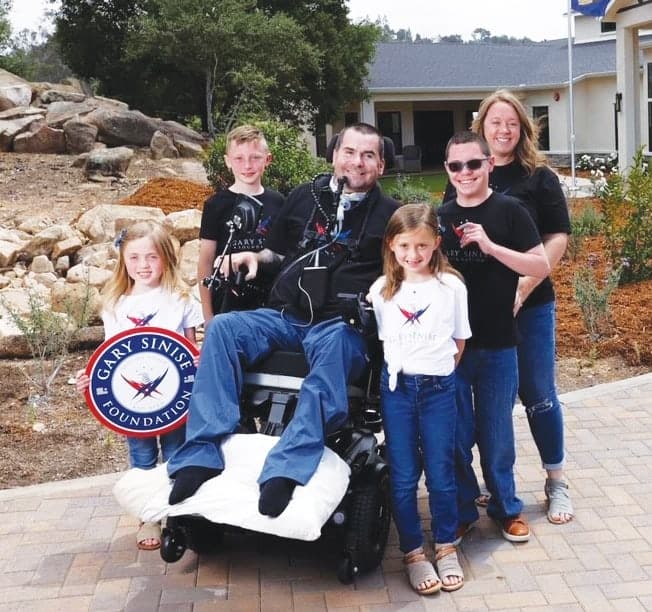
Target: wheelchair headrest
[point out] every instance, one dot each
(245, 214)
(388, 148)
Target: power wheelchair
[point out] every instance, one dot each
(361, 522)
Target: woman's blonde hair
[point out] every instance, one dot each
(410, 218)
(527, 153)
(120, 283)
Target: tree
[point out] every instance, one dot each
(451, 38)
(233, 48)
(5, 26)
(481, 35)
(345, 51)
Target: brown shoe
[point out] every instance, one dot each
(515, 528)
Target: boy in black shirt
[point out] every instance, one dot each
(490, 239)
(247, 156)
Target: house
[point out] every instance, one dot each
(421, 93)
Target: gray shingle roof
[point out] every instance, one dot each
(473, 66)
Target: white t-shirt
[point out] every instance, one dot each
(155, 308)
(419, 324)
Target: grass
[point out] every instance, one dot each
(434, 181)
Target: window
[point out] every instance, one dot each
(540, 115)
(389, 124)
(607, 26)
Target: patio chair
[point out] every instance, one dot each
(412, 158)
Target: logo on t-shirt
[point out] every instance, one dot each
(412, 316)
(141, 321)
(141, 381)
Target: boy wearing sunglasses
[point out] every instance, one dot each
(490, 239)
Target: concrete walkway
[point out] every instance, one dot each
(67, 546)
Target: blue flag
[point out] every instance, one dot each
(596, 8)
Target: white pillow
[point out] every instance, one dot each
(232, 497)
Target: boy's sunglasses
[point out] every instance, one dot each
(471, 164)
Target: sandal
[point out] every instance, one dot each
(482, 500)
(559, 501)
(149, 536)
(420, 571)
(448, 565)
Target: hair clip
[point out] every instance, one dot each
(119, 239)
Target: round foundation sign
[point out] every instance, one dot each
(141, 380)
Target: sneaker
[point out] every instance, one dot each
(515, 528)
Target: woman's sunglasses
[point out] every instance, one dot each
(471, 164)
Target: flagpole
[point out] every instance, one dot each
(570, 99)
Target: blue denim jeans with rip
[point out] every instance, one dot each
(143, 452)
(536, 385)
(419, 419)
(336, 355)
(486, 391)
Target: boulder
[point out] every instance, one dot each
(14, 91)
(43, 243)
(10, 128)
(78, 300)
(179, 131)
(108, 162)
(66, 247)
(188, 258)
(21, 111)
(109, 103)
(101, 223)
(80, 136)
(123, 127)
(88, 275)
(40, 139)
(188, 149)
(10, 251)
(162, 146)
(184, 224)
(61, 95)
(32, 224)
(60, 112)
(41, 264)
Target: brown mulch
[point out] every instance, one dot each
(170, 195)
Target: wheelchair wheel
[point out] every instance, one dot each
(173, 544)
(368, 528)
(204, 536)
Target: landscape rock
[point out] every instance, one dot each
(188, 258)
(61, 95)
(91, 275)
(34, 223)
(44, 139)
(14, 91)
(10, 251)
(43, 243)
(21, 111)
(188, 149)
(162, 146)
(108, 162)
(101, 223)
(41, 264)
(10, 128)
(65, 248)
(60, 112)
(184, 224)
(123, 127)
(80, 136)
(77, 300)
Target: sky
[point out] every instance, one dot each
(536, 19)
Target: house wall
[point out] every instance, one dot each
(594, 115)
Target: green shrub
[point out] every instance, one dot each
(408, 191)
(292, 162)
(594, 301)
(627, 208)
(48, 335)
(586, 223)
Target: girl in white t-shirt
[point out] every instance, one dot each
(421, 309)
(145, 290)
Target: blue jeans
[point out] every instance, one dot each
(336, 355)
(143, 452)
(486, 391)
(536, 385)
(419, 420)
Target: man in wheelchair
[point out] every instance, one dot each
(326, 241)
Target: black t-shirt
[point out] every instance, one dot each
(352, 257)
(491, 285)
(541, 194)
(217, 211)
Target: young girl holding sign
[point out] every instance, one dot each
(146, 291)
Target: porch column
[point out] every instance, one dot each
(628, 83)
(368, 114)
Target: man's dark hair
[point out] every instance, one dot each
(363, 128)
(465, 137)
